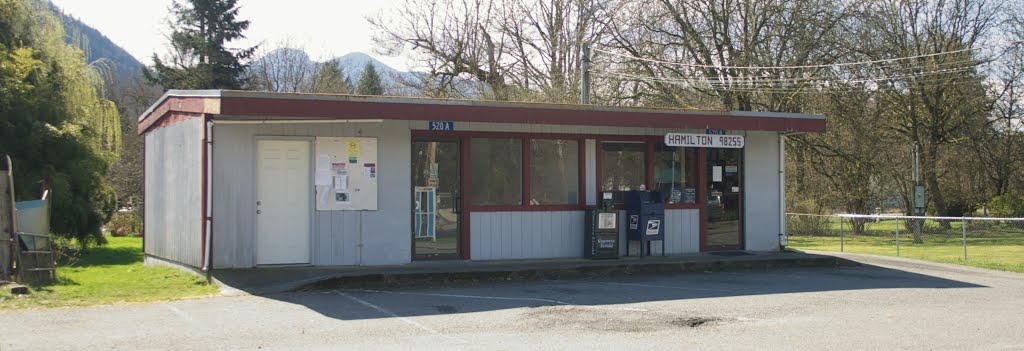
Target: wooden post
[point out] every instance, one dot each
(8, 224)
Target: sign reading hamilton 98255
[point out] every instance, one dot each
(704, 140)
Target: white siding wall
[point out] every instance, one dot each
(174, 192)
(761, 196)
(383, 237)
(339, 237)
(682, 234)
(515, 235)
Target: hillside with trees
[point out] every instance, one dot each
(56, 122)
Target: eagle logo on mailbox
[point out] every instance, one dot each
(653, 226)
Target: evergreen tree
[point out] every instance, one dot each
(370, 82)
(54, 122)
(329, 79)
(201, 60)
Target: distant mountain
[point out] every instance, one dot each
(99, 50)
(288, 69)
(354, 63)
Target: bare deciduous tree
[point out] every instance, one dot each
(283, 68)
(522, 49)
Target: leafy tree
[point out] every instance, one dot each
(55, 123)
(370, 82)
(201, 60)
(329, 79)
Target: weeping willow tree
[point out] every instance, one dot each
(55, 122)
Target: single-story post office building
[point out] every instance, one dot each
(238, 179)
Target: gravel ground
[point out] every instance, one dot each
(890, 304)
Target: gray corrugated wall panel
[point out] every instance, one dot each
(517, 235)
(680, 232)
(590, 163)
(761, 196)
(336, 234)
(173, 201)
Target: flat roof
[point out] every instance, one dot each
(250, 105)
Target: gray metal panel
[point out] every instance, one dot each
(173, 217)
(682, 232)
(590, 162)
(340, 237)
(761, 196)
(526, 235)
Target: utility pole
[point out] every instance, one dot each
(8, 225)
(918, 193)
(585, 75)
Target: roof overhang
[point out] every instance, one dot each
(246, 105)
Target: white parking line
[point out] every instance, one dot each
(393, 315)
(180, 313)
(662, 287)
(534, 299)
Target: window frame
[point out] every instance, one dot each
(650, 141)
(467, 170)
(466, 140)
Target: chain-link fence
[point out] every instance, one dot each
(977, 241)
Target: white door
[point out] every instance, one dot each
(283, 196)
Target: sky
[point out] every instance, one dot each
(323, 28)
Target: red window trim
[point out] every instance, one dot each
(524, 138)
(651, 141)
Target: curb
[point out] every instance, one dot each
(571, 272)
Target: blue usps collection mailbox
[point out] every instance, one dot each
(645, 215)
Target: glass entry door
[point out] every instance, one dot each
(437, 199)
(724, 200)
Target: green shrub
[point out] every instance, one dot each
(125, 224)
(1007, 205)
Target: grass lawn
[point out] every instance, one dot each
(109, 274)
(997, 246)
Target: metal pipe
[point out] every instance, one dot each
(783, 240)
(897, 238)
(208, 210)
(842, 244)
(963, 229)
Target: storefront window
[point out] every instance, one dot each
(496, 167)
(675, 174)
(554, 172)
(622, 166)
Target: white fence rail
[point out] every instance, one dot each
(981, 241)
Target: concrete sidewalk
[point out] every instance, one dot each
(267, 280)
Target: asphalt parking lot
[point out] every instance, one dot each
(890, 304)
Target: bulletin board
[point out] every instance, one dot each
(346, 174)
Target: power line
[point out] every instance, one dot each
(754, 82)
(843, 64)
(825, 86)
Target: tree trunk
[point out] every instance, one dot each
(932, 183)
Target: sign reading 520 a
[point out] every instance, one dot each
(704, 140)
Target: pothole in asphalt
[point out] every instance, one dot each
(446, 308)
(576, 317)
(694, 322)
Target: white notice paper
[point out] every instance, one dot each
(716, 173)
(323, 170)
(606, 220)
(341, 182)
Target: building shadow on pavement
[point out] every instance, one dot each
(612, 291)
